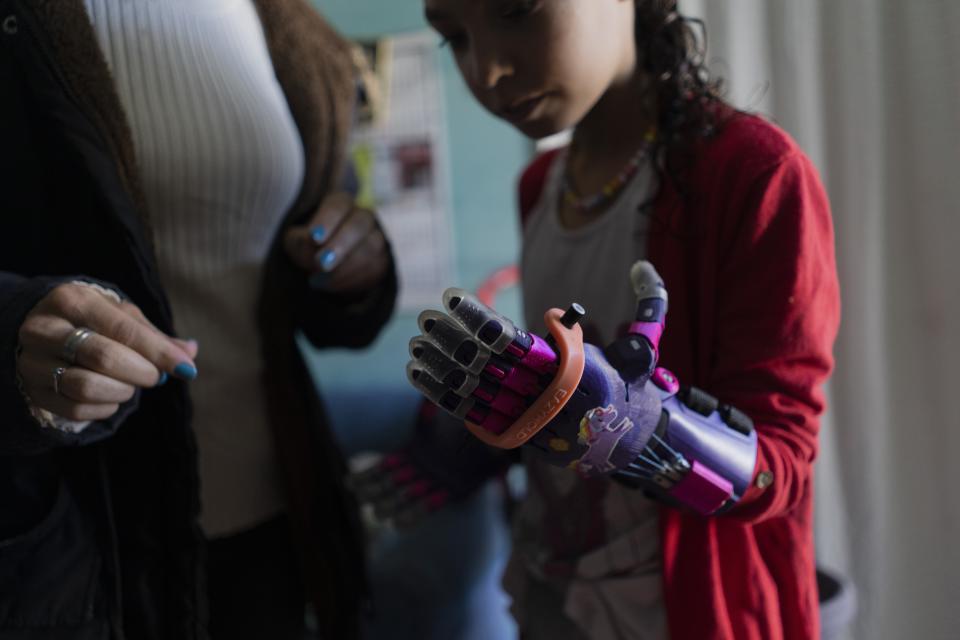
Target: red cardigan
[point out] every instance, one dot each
(748, 259)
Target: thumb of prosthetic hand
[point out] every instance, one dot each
(577, 406)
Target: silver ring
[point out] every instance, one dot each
(73, 342)
(57, 377)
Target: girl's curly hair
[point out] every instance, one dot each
(687, 99)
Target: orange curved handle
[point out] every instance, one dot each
(549, 403)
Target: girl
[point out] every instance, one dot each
(734, 217)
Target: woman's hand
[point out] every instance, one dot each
(342, 245)
(86, 376)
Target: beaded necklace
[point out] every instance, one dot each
(609, 191)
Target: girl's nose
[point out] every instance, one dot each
(489, 66)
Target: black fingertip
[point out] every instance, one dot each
(490, 332)
(454, 301)
(455, 379)
(465, 353)
(417, 352)
(428, 325)
(415, 374)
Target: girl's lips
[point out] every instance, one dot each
(522, 109)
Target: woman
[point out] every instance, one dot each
(179, 160)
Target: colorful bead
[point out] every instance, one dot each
(586, 204)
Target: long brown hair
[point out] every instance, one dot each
(688, 99)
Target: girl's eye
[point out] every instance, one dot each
(519, 9)
(456, 41)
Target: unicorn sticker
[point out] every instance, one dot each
(598, 432)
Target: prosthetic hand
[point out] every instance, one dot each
(597, 412)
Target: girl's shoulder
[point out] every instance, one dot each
(747, 143)
(744, 147)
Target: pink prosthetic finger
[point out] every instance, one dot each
(452, 375)
(650, 318)
(522, 380)
(471, 409)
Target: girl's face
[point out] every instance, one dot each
(539, 64)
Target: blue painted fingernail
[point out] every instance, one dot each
(163, 379)
(185, 371)
(318, 233)
(325, 259)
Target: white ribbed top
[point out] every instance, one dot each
(222, 161)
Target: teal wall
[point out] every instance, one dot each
(485, 156)
(372, 18)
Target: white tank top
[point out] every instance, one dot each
(606, 535)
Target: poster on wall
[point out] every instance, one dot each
(399, 152)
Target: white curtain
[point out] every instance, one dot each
(871, 90)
